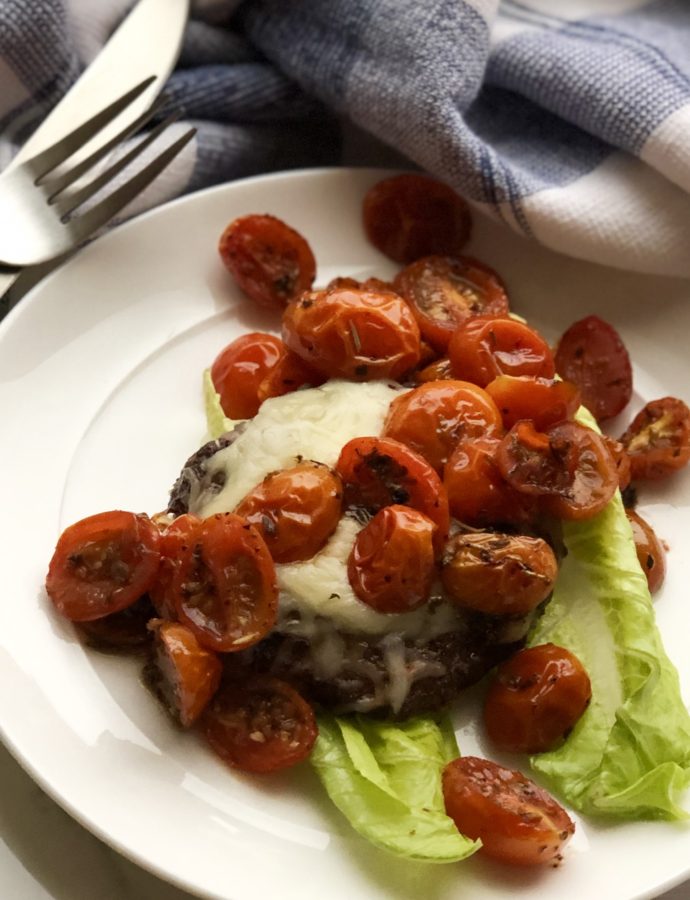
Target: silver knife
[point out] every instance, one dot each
(146, 43)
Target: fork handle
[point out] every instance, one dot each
(7, 279)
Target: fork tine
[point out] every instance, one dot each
(45, 161)
(69, 204)
(60, 182)
(84, 225)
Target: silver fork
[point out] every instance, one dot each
(37, 214)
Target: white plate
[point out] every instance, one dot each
(100, 403)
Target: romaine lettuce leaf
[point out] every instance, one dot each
(629, 755)
(216, 420)
(385, 777)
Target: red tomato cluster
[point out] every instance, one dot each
(485, 434)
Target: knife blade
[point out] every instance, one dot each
(146, 43)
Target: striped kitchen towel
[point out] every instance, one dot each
(569, 121)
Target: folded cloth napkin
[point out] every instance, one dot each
(570, 122)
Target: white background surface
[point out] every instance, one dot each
(44, 853)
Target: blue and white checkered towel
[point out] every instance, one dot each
(569, 121)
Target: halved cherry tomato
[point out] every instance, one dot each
(592, 355)
(484, 347)
(124, 631)
(271, 262)
(498, 574)
(254, 367)
(411, 215)
(261, 725)
(353, 333)
(444, 291)
(295, 510)
(225, 586)
(391, 565)
(658, 439)
(621, 460)
(517, 821)
(650, 550)
(378, 472)
(436, 371)
(478, 494)
(174, 541)
(103, 564)
(568, 465)
(536, 699)
(184, 674)
(239, 369)
(543, 400)
(434, 417)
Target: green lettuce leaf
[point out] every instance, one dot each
(216, 420)
(629, 755)
(385, 777)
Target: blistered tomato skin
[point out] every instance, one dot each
(295, 510)
(436, 371)
(409, 216)
(434, 417)
(484, 347)
(650, 551)
(260, 725)
(174, 541)
(391, 565)
(658, 439)
(103, 564)
(517, 822)
(445, 291)
(592, 355)
(545, 401)
(271, 262)
(378, 472)
(536, 699)
(498, 574)
(353, 333)
(224, 589)
(186, 675)
(568, 466)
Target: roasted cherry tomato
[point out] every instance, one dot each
(391, 565)
(103, 564)
(254, 367)
(408, 216)
(498, 574)
(183, 673)
(434, 417)
(484, 347)
(478, 494)
(271, 262)
(621, 460)
(436, 371)
(260, 725)
(295, 510)
(517, 821)
(225, 586)
(569, 466)
(592, 355)
(378, 472)
(174, 540)
(658, 439)
(536, 698)
(369, 284)
(353, 333)
(124, 631)
(650, 551)
(545, 401)
(445, 291)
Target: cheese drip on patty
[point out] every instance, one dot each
(314, 424)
